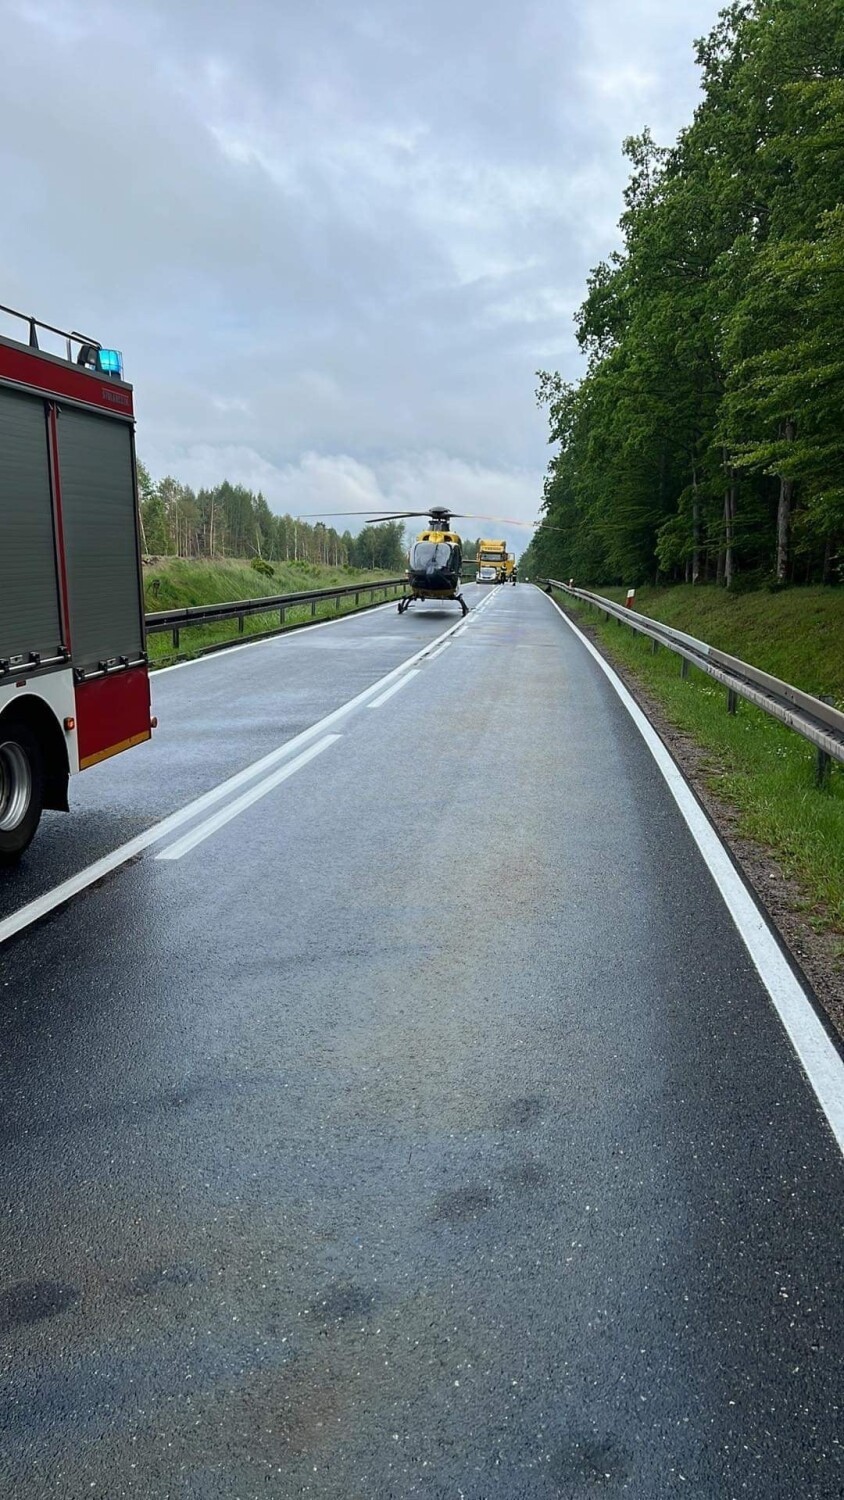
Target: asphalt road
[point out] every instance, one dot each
(419, 1126)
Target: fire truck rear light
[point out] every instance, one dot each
(69, 723)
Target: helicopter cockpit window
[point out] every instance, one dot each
(432, 554)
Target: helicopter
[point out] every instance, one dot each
(435, 559)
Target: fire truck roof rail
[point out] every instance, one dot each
(70, 337)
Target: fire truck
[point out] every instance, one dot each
(74, 681)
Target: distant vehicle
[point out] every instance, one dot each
(492, 558)
(74, 682)
(510, 568)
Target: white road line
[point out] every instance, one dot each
(402, 682)
(821, 1060)
(40, 907)
(218, 820)
(439, 651)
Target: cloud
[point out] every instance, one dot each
(336, 483)
(332, 241)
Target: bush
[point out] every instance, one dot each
(264, 568)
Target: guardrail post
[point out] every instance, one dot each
(281, 615)
(823, 762)
(175, 637)
(241, 620)
(337, 602)
(684, 666)
(357, 598)
(313, 608)
(732, 701)
(654, 645)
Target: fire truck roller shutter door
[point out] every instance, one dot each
(98, 508)
(29, 601)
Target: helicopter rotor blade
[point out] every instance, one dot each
(410, 515)
(396, 515)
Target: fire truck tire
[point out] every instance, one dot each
(21, 788)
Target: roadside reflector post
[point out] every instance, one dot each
(631, 598)
(732, 700)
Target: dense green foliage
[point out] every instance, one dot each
(232, 521)
(706, 440)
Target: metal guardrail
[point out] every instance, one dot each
(813, 718)
(177, 620)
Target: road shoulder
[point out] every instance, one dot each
(815, 953)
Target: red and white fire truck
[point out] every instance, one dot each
(74, 684)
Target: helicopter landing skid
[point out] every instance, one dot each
(462, 602)
(404, 605)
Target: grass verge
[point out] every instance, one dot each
(752, 763)
(178, 584)
(797, 634)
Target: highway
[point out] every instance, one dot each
(404, 1114)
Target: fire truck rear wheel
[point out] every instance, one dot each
(21, 788)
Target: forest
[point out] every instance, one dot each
(705, 441)
(231, 521)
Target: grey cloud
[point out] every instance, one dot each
(328, 235)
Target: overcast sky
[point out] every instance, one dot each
(334, 239)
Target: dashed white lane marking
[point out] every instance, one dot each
(67, 889)
(203, 831)
(821, 1060)
(439, 651)
(402, 682)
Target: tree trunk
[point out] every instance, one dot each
(695, 528)
(729, 518)
(784, 513)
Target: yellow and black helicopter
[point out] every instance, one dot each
(435, 559)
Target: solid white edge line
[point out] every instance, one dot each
(42, 905)
(439, 651)
(203, 831)
(402, 682)
(820, 1059)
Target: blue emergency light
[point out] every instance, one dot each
(110, 362)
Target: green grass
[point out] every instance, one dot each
(765, 771)
(797, 634)
(178, 584)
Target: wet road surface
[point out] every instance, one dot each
(422, 1129)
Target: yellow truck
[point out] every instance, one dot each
(492, 558)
